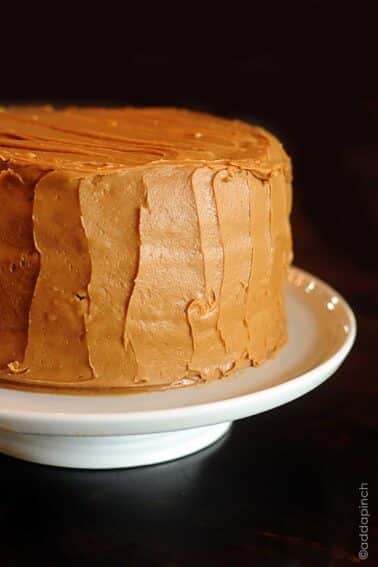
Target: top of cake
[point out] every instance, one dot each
(98, 140)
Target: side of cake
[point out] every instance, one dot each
(139, 248)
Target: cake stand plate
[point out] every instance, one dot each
(100, 432)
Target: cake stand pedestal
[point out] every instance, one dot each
(107, 452)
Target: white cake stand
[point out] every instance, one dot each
(140, 429)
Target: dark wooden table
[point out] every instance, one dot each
(282, 489)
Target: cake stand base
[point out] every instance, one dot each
(108, 452)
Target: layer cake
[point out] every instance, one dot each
(139, 248)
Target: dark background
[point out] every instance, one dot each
(282, 488)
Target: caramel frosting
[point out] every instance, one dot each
(139, 248)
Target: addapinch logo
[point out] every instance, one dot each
(363, 528)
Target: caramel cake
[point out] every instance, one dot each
(139, 248)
